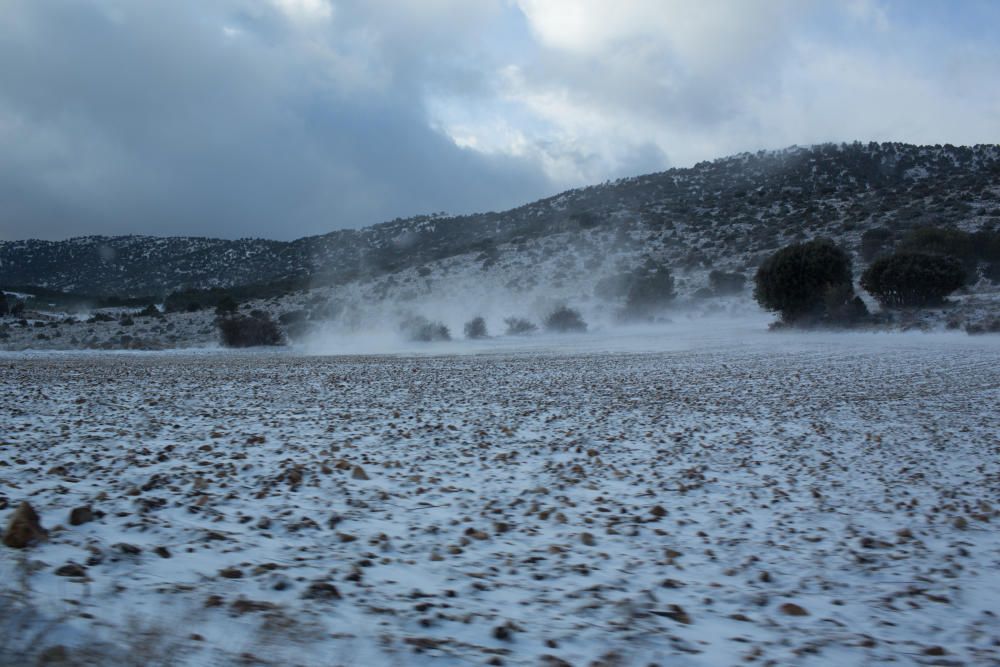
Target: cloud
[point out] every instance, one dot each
(280, 118)
(272, 119)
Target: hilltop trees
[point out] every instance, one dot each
(805, 282)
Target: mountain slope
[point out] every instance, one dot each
(734, 208)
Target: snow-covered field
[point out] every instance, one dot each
(708, 495)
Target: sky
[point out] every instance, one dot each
(286, 118)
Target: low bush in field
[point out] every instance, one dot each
(518, 326)
(420, 329)
(475, 328)
(243, 331)
(565, 320)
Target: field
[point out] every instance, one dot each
(719, 498)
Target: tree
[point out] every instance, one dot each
(242, 331)
(565, 320)
(913, 279)
(475, 328)
(518, 326)
(795, 280)
(650, 288)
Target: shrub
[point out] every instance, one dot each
(420, 329)
(565, 320)
(723, 283)
(518, 326)
(149, 311)
(243, 331)
(475, 328)
(650, 288)
(794, 281)
(913, 279)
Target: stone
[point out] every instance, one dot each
(359, 473)
(321, 590)
(792, 609)
(71, 570)
(24, 528)
(81, 515)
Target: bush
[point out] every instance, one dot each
(794, 281)
(242, 331)
(722, 283)
(420, 329)
(913, 279)
(565, 320)
(650, 288)
(518, 326)
(475, 328)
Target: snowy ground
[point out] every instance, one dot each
(696, 496)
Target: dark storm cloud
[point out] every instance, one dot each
(236, 119)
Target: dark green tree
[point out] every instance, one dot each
(475, 328)
(650, 288)
(913, 279)
(795, 281)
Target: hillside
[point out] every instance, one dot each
(728, 212)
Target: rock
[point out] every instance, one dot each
(162, 552)
(588, 539)
(359, 473)
(244, 606)
(792, 609)
(80, 516)
(231, 573)
(676, 612)
(71, 570)
(935, 650)
(658, 511)
(128, 549)
(321, 590)
(24, 528)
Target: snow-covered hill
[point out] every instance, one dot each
(729, 212)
